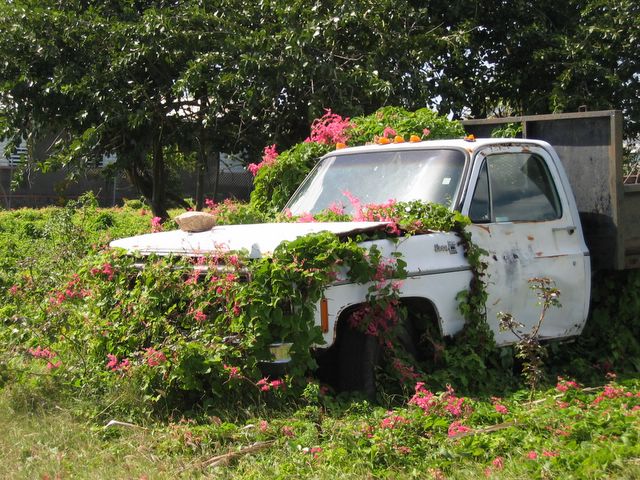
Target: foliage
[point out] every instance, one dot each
(278, 179)
(510, 130)
(426, 123)
(567, 431)
(274, 185)
(143, 80)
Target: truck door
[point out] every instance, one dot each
(527, 222)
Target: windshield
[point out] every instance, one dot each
(376, 177)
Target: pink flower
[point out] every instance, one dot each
(329, 129)
(389, 132)
(306, 218)
(253, 168)
(39, 352)
(263, 426)
(112, 364)
(52, 366)
(199, 316)
(393, 421)
(336, 208)
(276, 384)
(549, 453)
(500, 408)
(266, 385)
(155, 357)
(156, 224)
(456, 428)
(565, 385)
(234, 372)
(287, 431)
(315, 451)
(402, 450)
(498, 463)
(13, 290)
(426, 132)
(269, 156)
(532, 455)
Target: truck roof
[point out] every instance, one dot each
(468, 145)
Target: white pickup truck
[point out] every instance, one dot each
(523, 213)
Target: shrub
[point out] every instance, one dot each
(276, 179)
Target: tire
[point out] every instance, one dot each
(358, 357)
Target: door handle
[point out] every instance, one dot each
(570, 229)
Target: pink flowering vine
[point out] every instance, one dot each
(446, 403)
(498, 406)
(114, 365)
(154, 357)
(105, 269)
(330, 129)
(391, 421)
(389, 132)
(156, 224)
(269, 156)
(40, 352)
(456, 428)
(46, 354)
(233, 372)
(199, 316)
(566, 385)
(73, 289)
(265, 385)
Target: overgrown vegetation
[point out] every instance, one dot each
(84, 327)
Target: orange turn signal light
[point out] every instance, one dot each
(324, 315)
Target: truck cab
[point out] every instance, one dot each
(523, 215)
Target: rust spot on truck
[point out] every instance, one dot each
(530, 238)
(484, 227)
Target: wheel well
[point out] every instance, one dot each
(423, 322)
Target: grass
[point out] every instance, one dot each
(580, 433)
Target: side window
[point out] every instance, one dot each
(518, 186)
(480, 210)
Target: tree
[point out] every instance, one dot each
(137, 78)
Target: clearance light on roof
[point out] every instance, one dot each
(340, 145)
(382, 141)
(414, 139)
(470, 138)
(398, 139)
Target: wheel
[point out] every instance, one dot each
(358, 356)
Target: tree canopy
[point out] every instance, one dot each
(144, 79)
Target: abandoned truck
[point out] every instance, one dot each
(525, 212)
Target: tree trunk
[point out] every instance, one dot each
(201, 167)
(159, 175)
(216, 173)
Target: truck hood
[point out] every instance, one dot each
(258, 239)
